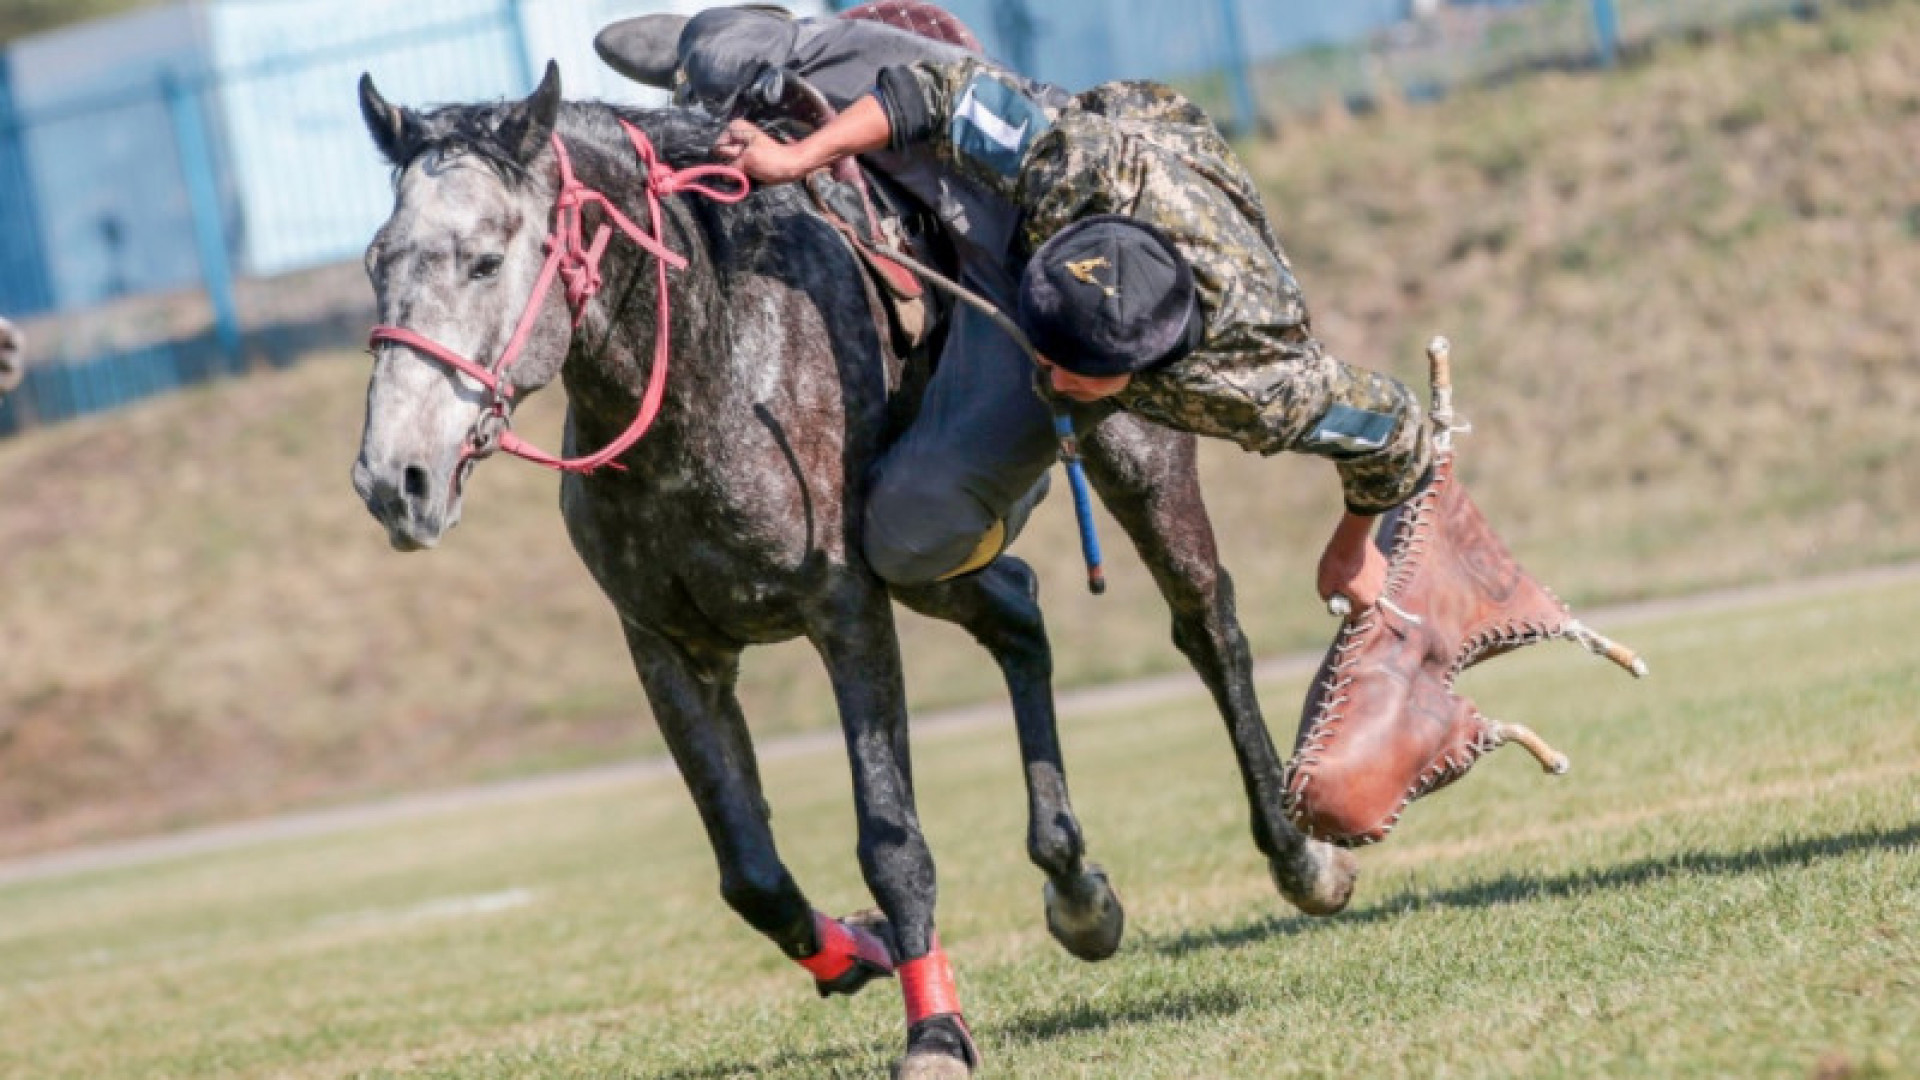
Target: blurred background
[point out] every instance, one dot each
(1674, 242)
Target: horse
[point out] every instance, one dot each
(13, 357)
(734, 520)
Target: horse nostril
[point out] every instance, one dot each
(416, 482)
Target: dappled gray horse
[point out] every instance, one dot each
(13, 357)
(733, 520)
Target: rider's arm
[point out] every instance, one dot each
(978, 118)
(863, 127)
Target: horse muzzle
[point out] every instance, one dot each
(416, 505)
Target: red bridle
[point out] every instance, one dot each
(577, 265)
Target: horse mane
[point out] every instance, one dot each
(680, 136)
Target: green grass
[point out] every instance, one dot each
(1724, 886)
(1683, 305)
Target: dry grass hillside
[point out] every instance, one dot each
(19, 18)
(1684, 306)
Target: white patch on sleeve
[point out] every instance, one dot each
(1005, 135)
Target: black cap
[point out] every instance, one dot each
(1109, 295)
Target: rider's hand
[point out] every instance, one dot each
(1351, 566)
(759, 155)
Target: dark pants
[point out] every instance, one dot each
(975, 456)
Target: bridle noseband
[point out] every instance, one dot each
(577, 265)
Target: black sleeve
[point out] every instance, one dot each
(908, 116)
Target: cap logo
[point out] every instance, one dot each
(1083, 271)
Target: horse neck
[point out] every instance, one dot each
(613, 351)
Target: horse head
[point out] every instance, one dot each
(456, 263)
(13, 357)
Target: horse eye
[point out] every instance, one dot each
(486, 266)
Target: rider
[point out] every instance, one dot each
(1151, 277)
(955, 489)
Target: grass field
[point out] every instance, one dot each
(1684, 309)
(1728, 884)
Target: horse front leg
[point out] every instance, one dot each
(1000, 607)
(1149, 479)
(700, 720)
(854, 635)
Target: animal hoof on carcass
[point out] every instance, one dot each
(1329, 881)
(1087, 920)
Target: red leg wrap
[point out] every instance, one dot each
(840, 946)
(927, 983)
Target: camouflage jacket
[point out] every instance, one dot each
(1140, 149)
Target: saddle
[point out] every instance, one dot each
(860, 203)
(1382, 724)
(915, 17)
(869, 214)
(871, 217)
(889, 222)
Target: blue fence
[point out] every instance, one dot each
(169, 180)
(213, 149)
(1472, 41)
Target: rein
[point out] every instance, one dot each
(576, 264)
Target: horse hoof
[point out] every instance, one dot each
(1328, 881)
(872, 922)
(938, 1048)
(875, 922)
(1087, 920)
(931, 1065)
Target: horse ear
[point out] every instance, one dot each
(395, 130)
(527, 126)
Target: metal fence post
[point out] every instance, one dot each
(1246, 113)
(23, 269)
(1606, 32)
(203, 198)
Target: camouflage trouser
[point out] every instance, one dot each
(958, 486)
(1259, 378)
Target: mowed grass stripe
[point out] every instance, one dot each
(1725, 885)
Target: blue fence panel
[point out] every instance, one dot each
(24, 289)
(111, 207)
(1079, 44)
(259, 162)
(313, 186)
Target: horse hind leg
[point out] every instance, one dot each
(1000, 607)
(1148, 477)
(700, 720)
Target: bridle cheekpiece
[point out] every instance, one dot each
(576, 264)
